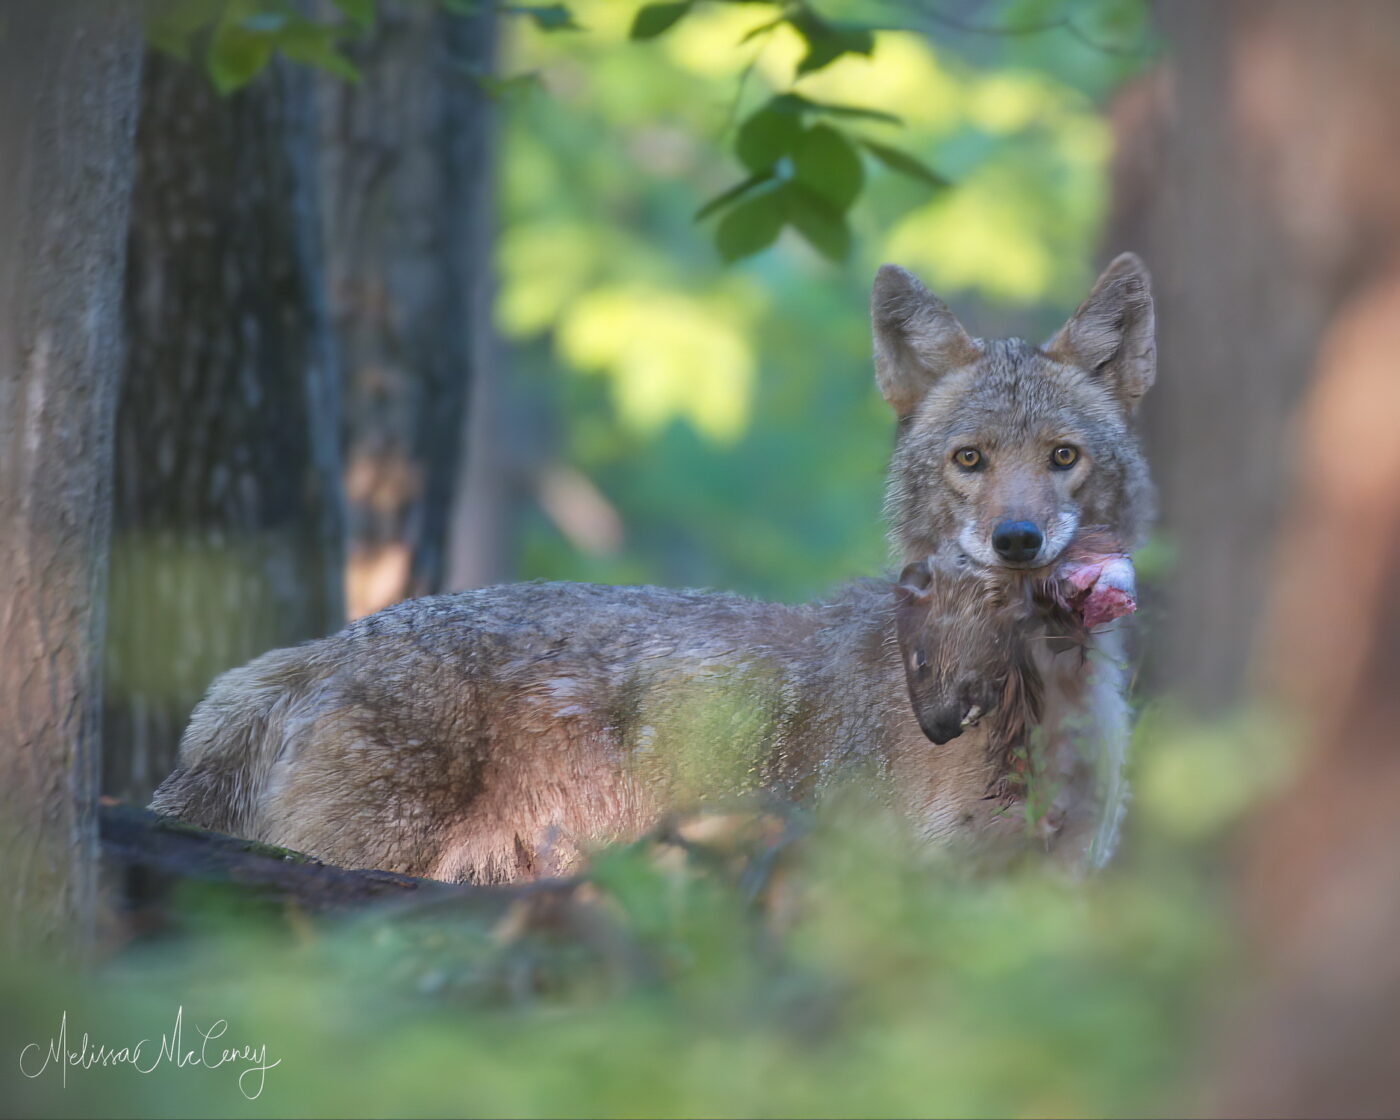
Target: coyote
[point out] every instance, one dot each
(501, 734)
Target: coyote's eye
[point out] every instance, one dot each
(969, 458)
(1064, 457)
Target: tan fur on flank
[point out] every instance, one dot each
(499, 734)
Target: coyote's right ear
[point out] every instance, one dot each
(1111, 336)
(917, 339)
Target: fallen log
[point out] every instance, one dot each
(145, 856)
(138, 838)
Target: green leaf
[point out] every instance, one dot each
(904, 163)
(828, 41)
(236, 56)
(751, 226)
(548, 17)
(828, 165)
(738, 190)
(762, 28)
(653, 19)
(767, 135)
(793, 104)
(858, 111)
(360, 13)
(796, 103)
(821, 224)
(314, 44)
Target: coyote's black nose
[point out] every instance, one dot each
(1017, 541)
(943, 728)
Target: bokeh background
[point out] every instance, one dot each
(413, 297)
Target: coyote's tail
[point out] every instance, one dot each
(235, 735)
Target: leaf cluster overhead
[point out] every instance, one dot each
(803, 158)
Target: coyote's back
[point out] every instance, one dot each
(496, 734)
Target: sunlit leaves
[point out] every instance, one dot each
(803, 167)
(984, 236)
(811, 175)
(654, 19)
(803, 172)
(666, 354)
(826, 40)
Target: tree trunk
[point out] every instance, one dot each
(406, 158)
(1323, 877)
(227, 508)
(68, 96)
(1272, 218)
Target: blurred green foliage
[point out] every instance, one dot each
(852, 976)
(724, 410)
(235, 39)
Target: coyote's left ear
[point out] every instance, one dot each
(917, 339)
(1112, 334)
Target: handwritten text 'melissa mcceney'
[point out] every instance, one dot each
(249, 1062)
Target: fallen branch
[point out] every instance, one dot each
(138, 838)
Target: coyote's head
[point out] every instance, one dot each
(1007, 448)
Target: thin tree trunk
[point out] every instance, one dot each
(227, 509)
(407, 166)
(68, 98)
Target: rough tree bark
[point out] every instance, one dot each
(406, 162)
(228, 515)
(68, 95)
